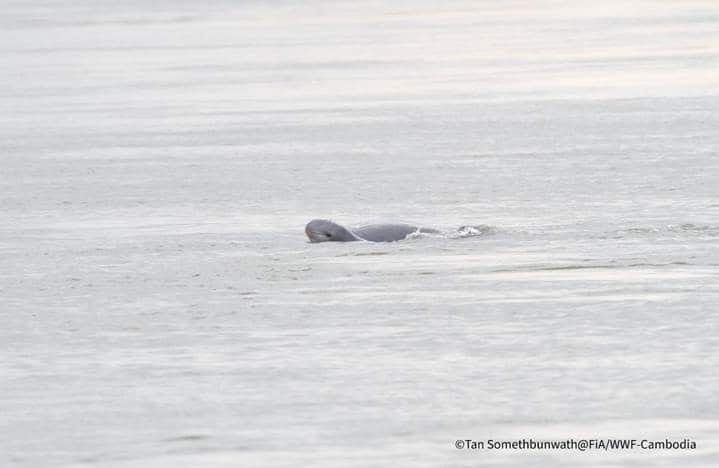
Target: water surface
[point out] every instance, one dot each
(162, 307)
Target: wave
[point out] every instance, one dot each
(685, 229)
(594, 266)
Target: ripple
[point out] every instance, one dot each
(685, 229)
(186, 438)
(597, 266)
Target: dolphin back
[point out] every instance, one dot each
(386, 232)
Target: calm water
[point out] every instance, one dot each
(161, 306)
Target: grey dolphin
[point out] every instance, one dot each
(322, 230)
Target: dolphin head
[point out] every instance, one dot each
(322, 230)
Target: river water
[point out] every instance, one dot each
(161, 306)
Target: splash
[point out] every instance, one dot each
(462, 232)
(472, 231)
